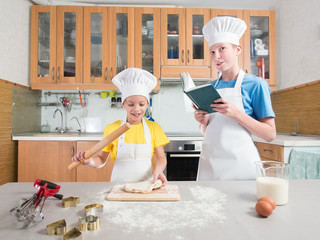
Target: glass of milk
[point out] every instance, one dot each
(273, 180)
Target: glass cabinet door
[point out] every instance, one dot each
(260, 53)
(147, 39)
(69, 44)
(197, 47)
(173, 36)
(43, 44)
(122, 39)
(96, 45)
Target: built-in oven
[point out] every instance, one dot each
(182, 159)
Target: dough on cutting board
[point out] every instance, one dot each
(142, 187)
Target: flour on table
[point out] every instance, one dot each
(142, 187)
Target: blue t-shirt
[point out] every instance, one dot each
(255, 95)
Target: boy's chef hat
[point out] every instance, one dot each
(134, 81)
(224, 29)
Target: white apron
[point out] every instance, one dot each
(133, 162)
(228, 152)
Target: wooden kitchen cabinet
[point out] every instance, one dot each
(56, 46)
(47, 160)
(270, 152)
(87, 174)
(147, 40)
(259, 49)
(182, 43)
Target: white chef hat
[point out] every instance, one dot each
(224, 29)
(134, 81)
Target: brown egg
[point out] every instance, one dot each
(269, 200)
(264, 208)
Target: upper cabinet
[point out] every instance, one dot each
(108, 44)
(56, 45)
(147, 40)
(85, 47)
(183, 44)
(259, 45)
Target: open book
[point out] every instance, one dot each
(201, 96)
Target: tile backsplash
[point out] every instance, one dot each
(169, 110)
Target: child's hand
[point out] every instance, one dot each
(225, 107)
(161, 176)
(201, 116)
(80, 156)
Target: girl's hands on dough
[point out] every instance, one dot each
(161, 176)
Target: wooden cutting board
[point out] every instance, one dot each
(166, 193)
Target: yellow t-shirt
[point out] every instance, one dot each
(135, 135)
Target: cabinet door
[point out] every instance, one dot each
(43, 45)
(230, 13)
(69, 44)
(147, 40)
(122, 39)
(197, 51)
(259, 50)
(96, 59)
(87, 174)
(47, 160)
(173, 37)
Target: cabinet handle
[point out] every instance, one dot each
(182, 56)
(106, 74)
(52, 74)
(58, 73)
(188, 56)
(246, 70)
(267, 150)
(111, 73)
(72, 151)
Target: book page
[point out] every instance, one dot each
(187, 82)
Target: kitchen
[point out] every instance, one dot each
(288, 41)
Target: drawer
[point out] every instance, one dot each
(270, 151)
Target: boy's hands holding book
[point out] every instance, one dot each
(201, 116)
(226, 108)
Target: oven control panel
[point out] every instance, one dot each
(183, 146)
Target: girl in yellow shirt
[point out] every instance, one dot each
(132, 151)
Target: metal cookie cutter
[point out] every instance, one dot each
(57, 228)
(89, 223)
(70, 202)
(94, 209)
(73, 234)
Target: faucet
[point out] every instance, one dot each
(61, 129)
(79, 130)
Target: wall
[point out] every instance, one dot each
(298, 103)
(171, 114)
(298, 42)
(14, 41)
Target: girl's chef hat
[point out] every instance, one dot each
(134, 81)
(224, 29)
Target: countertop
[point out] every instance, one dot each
(287, 140)
(207, 210)
(281, 139)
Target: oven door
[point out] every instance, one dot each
(182, 166)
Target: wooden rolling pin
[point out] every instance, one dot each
(103, 143)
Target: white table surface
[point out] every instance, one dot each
(207, 210)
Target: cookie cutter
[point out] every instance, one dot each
(70, 202)
(57, 228)
(93, 209)
(73, 234)
(89, 223)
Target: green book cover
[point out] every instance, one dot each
(201, 96)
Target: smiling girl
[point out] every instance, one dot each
(133, 151)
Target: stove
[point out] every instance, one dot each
(183, 154)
